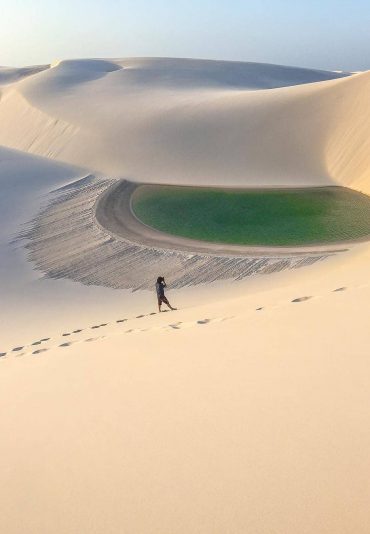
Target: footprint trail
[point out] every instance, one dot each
(174, 326)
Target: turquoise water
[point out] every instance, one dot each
(271, 217)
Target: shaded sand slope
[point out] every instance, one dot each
(24, 180)
(182, 121)
(12, 74)
(29, 301)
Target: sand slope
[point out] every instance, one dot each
(11, 74)
(247, 409)
(195, 122)
(222, 418)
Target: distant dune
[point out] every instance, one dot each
(195, 122)
(10, 74)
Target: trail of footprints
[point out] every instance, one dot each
(17, 351)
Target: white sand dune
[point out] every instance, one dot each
(11, 74)
(195, 122)
(244, 411)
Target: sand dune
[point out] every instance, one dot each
(246, 409)
(239, 415)
(192, 122)
(10, 74)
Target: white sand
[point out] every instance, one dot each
(220, 417)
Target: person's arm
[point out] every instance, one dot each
(164, 283)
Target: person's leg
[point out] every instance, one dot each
(165, 300)
(159, 305)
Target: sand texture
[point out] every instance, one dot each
(244, 411)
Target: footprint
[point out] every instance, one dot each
(45, 339)
(153, 313)
(258, 309)
(104, 324)
(77, 331)
(175, 326)
(38, 351)
(139, 316)
(189, 324)
(301, 299)
(96, 326)
(203, 321)
(36, 343)
(16, 349)
(121, 320)
(2, 354)
(339, 289)
(91, 339)
(68, 344)
(67, 334)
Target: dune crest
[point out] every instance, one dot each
(9, 75)
(198, 122)
(31, 130)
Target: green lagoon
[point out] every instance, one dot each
(256, 217)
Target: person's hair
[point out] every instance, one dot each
(160, 279)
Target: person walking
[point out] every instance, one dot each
(159, 287)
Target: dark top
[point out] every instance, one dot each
(159, 286)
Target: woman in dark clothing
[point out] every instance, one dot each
(159, 287)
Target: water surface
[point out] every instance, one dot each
(270, 217)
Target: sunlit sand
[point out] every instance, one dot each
(246, 410)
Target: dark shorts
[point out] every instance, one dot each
(162, 299)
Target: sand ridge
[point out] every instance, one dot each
(139, 119)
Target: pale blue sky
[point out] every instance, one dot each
(327, 34)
